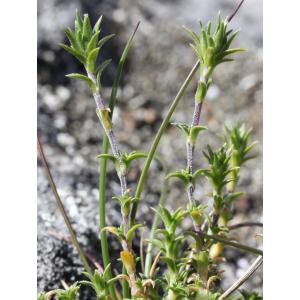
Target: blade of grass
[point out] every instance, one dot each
(158, 136)
(62, 209)
(103, 161)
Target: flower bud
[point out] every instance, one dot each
(216, 250)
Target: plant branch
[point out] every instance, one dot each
(103, 161)
(110, 134)
(61, 208)
(236, 10)
(258, 262)
(158, 136)
(232, 244)
(245, 224)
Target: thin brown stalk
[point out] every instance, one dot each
(61, 208)
(156, 259)
(258, 262)
(245, 224)
(236, 10)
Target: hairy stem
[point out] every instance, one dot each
(62, 209)
(190, 151)
(110, 135)
(157, 138)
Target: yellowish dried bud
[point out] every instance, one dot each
(216, 250)
(128, 261)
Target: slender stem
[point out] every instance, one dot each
(125, 285)
(61, 208)
(245, 224)
(232, 244)
(190, 150)
(155, 224)
(103, 237)
(158, 136)
(236, 10)
(110, 135)
(258, 262)
(197, 113)
(103, 162)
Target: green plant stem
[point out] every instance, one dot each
(125, 286)
(258, 262)
(156, 221)
(158, 136)
(61, 208)
(103, 237)
(103, 161)
(245, 224)
(232, 244)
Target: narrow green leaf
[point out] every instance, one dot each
(204, 41)
(193, 35)
(231, 38)
(102, 66)
(198, 173)
(197, 51)
(86, 28)
(74, 52)
(180, 175)
(108, 156)
(78, 21)
(72, 39)
(132, 230)
(195, 131)
(184, 127)
(91, 60)
(233, 50)
(226, 60)
(208, 27)
(104, 40)
(80, 76)
(250, 147)
(135, 155)
(92, 43)
(97, 24)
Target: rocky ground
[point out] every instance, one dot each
(158, 62)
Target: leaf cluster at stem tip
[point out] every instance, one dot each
(212, 47)
(85, 46)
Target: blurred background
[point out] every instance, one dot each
(159, 61)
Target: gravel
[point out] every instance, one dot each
(157, 65)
